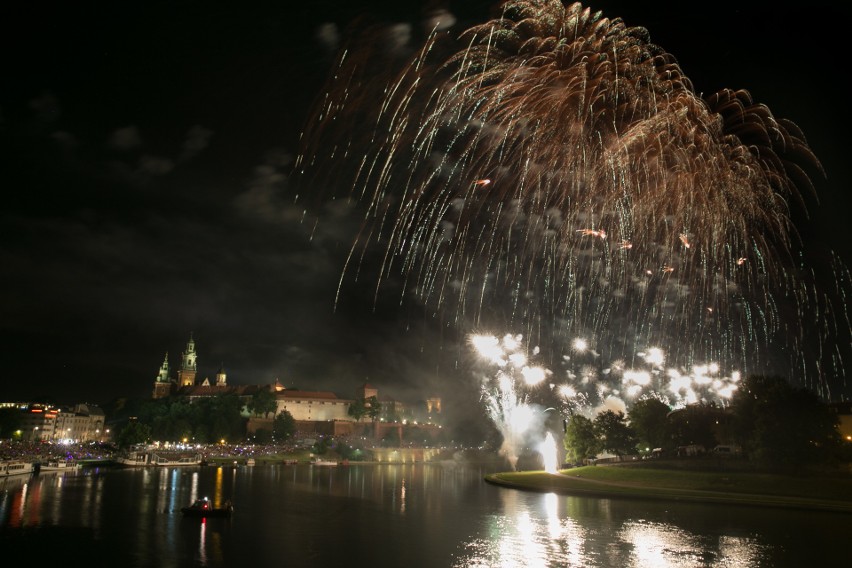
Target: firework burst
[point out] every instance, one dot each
(554, 171)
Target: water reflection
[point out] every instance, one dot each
(541, 530)
(202, 543)
(426, 515)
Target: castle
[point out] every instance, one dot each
(312, 410)
(165, 386)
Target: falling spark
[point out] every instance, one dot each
(588, 124)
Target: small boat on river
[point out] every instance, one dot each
(204, 508)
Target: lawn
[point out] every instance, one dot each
(809, 492)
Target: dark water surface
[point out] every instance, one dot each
(425, 515)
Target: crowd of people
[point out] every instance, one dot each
(45, 451)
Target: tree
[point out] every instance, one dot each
(262, 436)
(284, 426)
(357, 409)
(218, 418)
(205, 420)
(374, 408)
(263, 402)
(696, 424)
(580, 440)
(780, 425)
(614, 434)
(321, 446)
(10, 421)
(134, 433)
(648, 418)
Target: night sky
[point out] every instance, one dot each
(146, 150)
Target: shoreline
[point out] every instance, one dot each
(581, 483)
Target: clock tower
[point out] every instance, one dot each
(188, 365)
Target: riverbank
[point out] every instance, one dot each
(825, 493)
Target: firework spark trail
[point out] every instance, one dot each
(583, 382)
(618, 202)
(519, 420)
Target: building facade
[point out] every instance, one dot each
(80, 423)
(313, 406)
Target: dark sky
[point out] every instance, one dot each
(146, 151)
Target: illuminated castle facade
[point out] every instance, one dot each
(313, 411)
(165, 385)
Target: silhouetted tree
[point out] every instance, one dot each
(580, 440)
(217, 418)
(780, 425)
(357, 409)
(284, 426)
(262, 436)
(207, 419)
(263, 402)
(695, 424)
(134, 432)
(374, 408)
(10, 421)
(614, 434)
(321, 446)
(649, 419)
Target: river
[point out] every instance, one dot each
(407, 516)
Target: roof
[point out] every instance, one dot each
(325, 395)
(213, 390)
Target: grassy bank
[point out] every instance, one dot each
(759, 489)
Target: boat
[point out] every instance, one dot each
(56, 465)
(13, 467)
(177, 461)
(250, 461)
(323, 462)
(204, 508)
(141, 459)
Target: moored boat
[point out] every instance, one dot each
(14, 467)
(177, 461)
(56, 465)
(141, 459)
(134, 459)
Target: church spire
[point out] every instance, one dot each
(163, 383)
(188, 365)
(163, 375)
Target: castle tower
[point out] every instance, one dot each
(188, 365)
(365, 391)
(163, 384)
(221, 378)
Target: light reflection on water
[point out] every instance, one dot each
(538, 531)
(389, 515)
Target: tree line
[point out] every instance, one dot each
(204, 420)
(774, 424)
